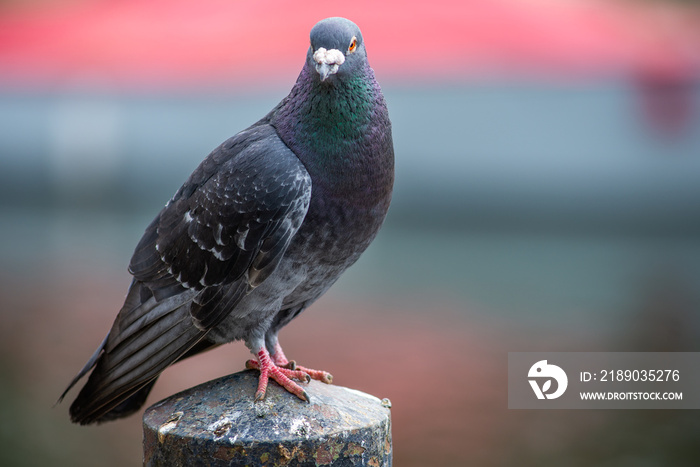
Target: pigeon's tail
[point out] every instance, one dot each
(147, 336)
(88, 366)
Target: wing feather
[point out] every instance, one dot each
(220, 236)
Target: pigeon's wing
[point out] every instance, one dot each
(220, 236)
(227, 225)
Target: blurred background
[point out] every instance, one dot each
(547, 199)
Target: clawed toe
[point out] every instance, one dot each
(318, 375)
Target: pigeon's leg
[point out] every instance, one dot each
(281, 360)
(268, 369)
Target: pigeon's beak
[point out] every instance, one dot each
(328, 62)
(324, 70)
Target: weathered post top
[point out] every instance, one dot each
(218, 424)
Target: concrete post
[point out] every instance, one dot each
(218, 424)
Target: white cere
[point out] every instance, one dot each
(329, 57)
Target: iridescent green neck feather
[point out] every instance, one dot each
(345, 129)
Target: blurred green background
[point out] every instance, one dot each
(547, 199)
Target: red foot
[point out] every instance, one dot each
(282, 370)
(282, 375)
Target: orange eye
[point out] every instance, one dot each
(353, 45)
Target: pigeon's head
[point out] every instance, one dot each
(337, 49)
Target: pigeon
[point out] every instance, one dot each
(260, 230)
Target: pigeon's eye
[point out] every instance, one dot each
(353, 45)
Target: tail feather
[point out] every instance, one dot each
(103, 392)
(150, 359)
(88, 366)
(149, 334)
(129, 405)
(136, 400)
(146, 337)
(143, 343)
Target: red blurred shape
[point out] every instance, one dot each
(219, 42)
